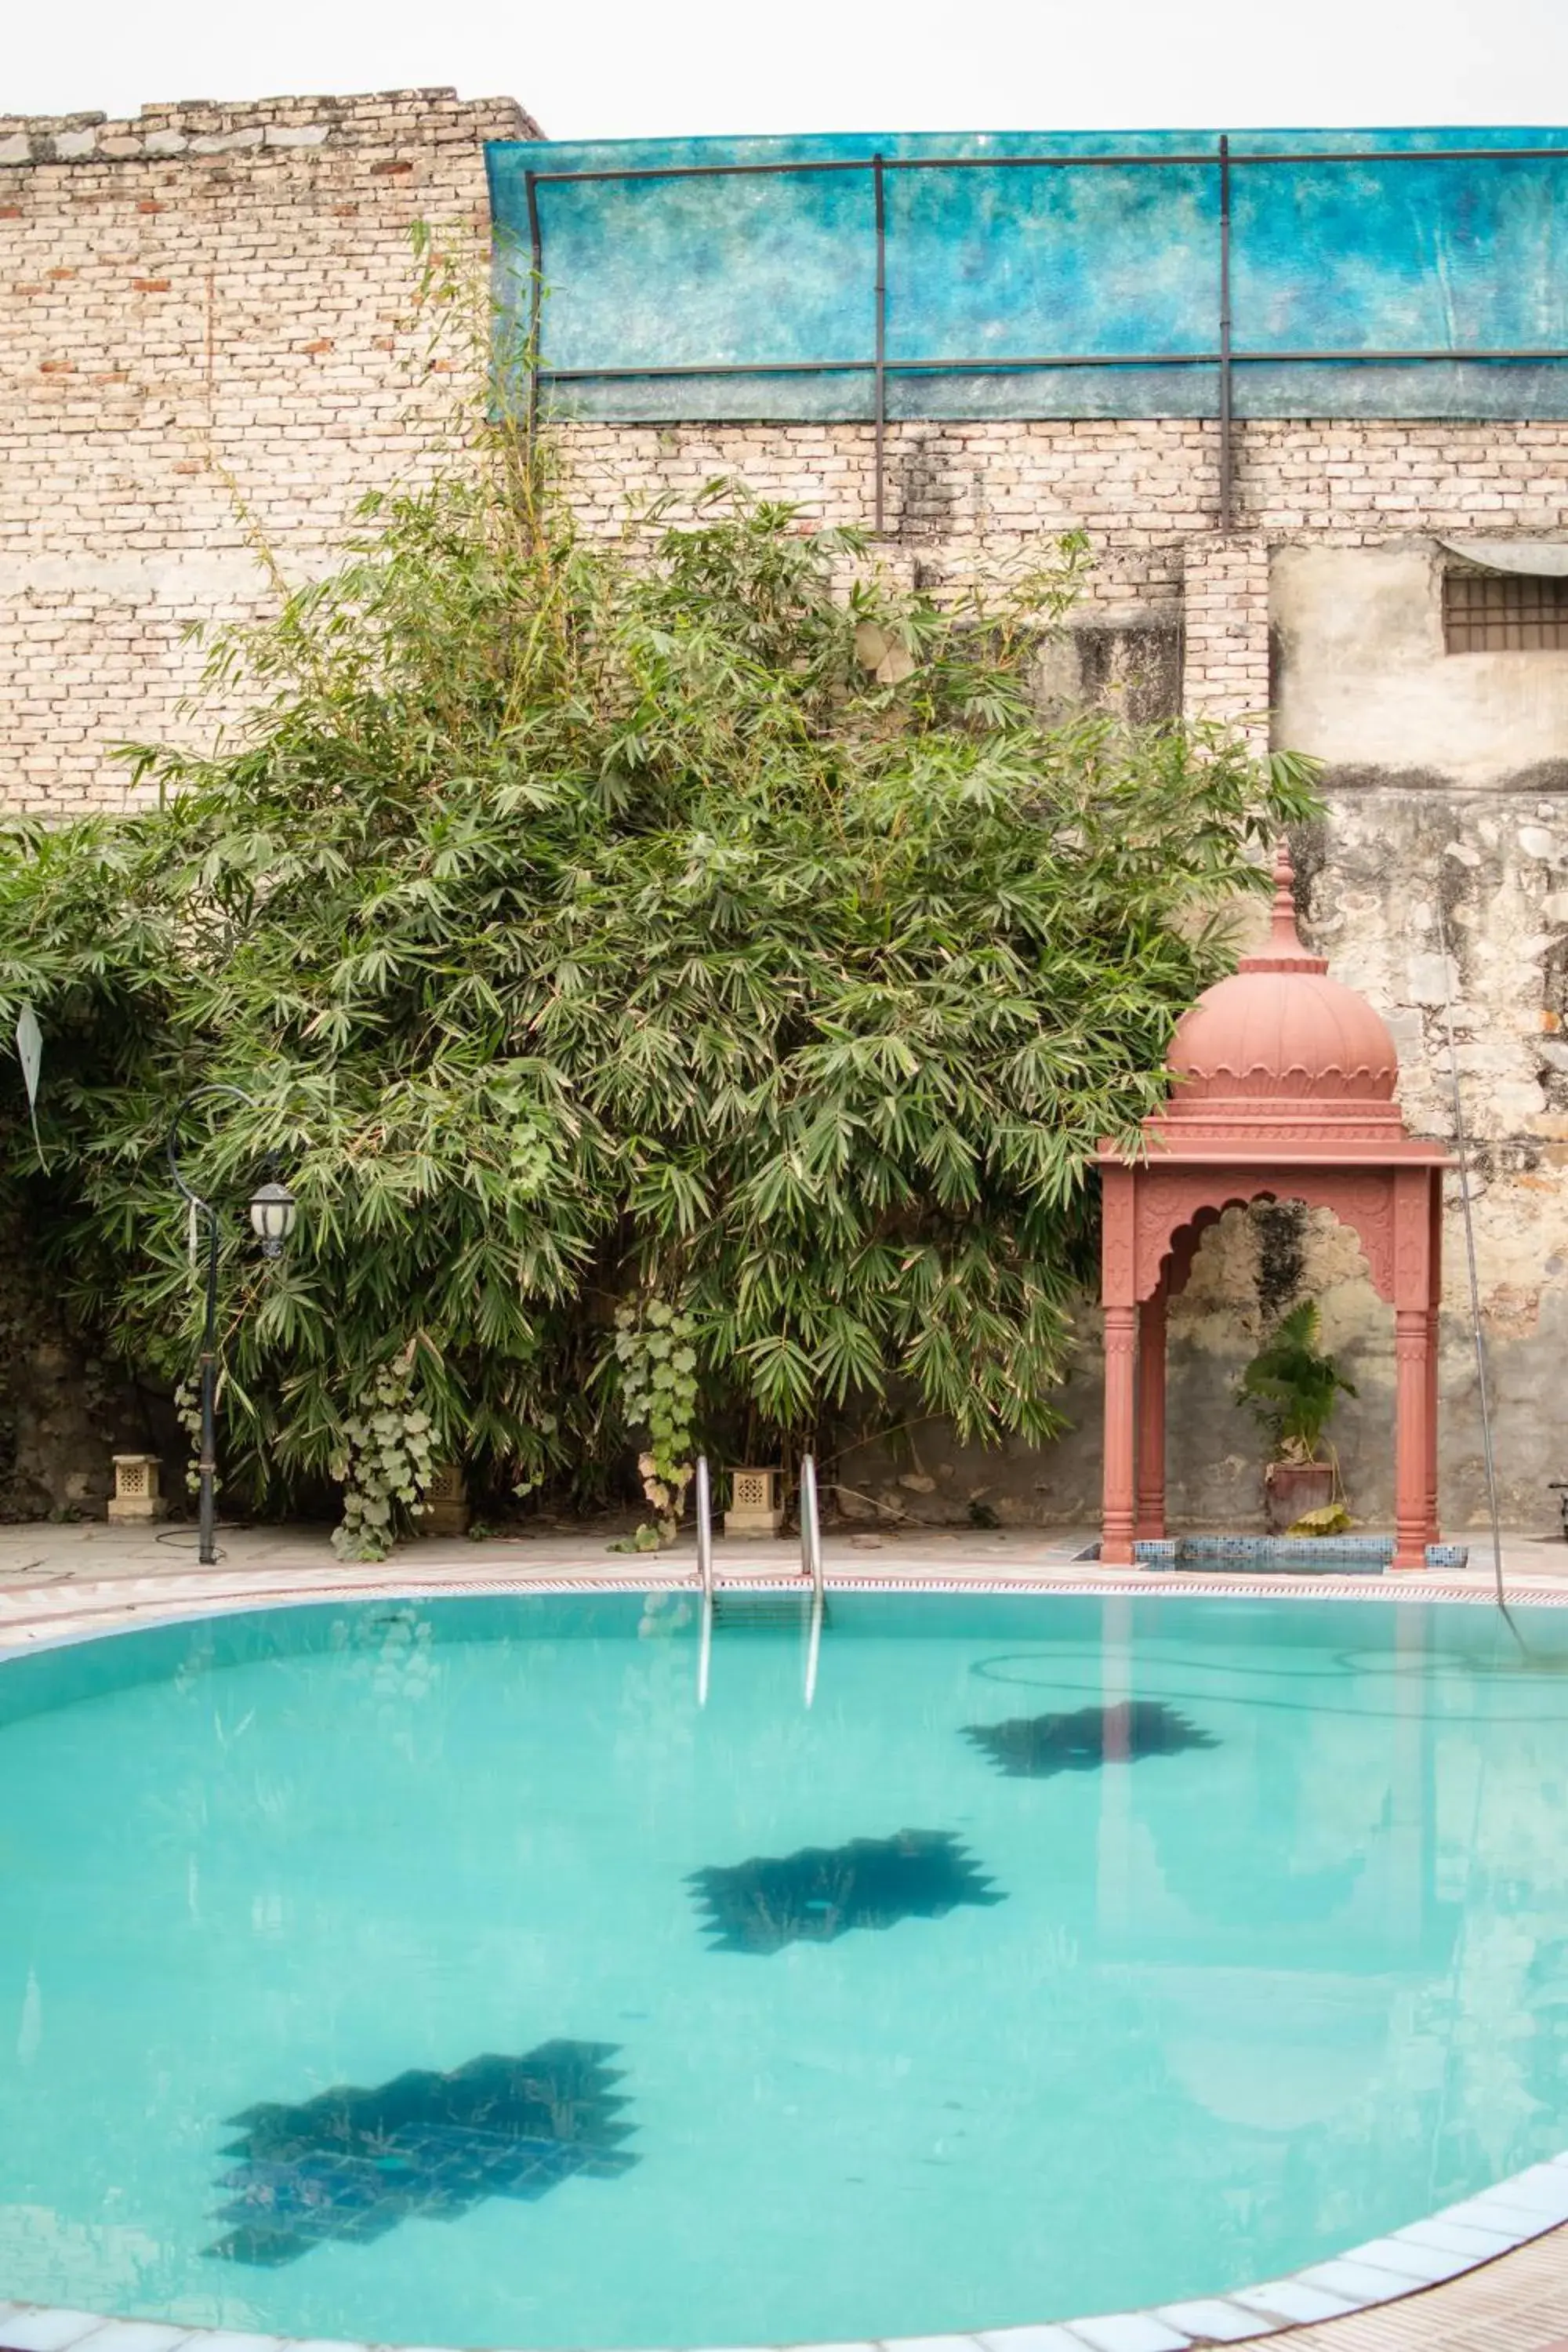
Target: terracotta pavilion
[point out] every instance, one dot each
(1284, 1090)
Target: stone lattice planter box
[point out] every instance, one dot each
(755, 1508)
(136, 1498)
(446, 1511)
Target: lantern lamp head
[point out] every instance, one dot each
(273, 1210)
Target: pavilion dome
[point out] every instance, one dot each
(1279, 1032)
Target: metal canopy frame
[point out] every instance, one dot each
(1224, 160)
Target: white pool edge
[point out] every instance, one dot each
(1447, 2245)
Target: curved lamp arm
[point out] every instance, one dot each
(212, 1086)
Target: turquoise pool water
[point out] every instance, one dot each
(1068, 1956)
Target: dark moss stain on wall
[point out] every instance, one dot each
(927, 494)
(1281, 1229)
(1138, 667)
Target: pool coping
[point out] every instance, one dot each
(1417, 2260)
(118, 1611)
(1424, 2256)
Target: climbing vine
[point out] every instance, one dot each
(657, 1353)
(188, 1413)
(385, 1464)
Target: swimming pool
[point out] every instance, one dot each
(440, 1972)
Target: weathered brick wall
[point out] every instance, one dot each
(961, 494)
(1225, 614)
(963, 498)
(958, 497)
(210, 344)
(205, 316)
(1355, 480)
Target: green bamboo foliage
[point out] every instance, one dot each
(691, 921)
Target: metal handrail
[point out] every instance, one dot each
(704, 1505)
(810, 1524)
(811, 1561)
(1119, 159)
(703, 1499)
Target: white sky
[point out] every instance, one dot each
(637, 69)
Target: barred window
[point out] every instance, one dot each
(1504, 612)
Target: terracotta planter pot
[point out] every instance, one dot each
(1290, 1490)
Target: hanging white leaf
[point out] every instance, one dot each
(30, 1050)
(30, 1054)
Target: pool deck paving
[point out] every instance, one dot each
(61, 1579)
(58, 1582)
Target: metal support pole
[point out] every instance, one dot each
(882, 359)
(1226, 454)
(207, 1378)
(535, 301)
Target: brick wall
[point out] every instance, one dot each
(958, 497)
(1365, 479)
(210, 312)
(959, 494)
(1225, 608)
(205, 318)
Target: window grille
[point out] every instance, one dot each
(1504, 612)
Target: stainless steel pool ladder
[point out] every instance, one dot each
(811, 1571)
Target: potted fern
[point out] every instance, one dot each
(1292, 1387)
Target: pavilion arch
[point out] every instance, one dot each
(1285, 1091)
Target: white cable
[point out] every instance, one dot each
(1461, 1149)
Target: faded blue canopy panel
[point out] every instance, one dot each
(1397, 273)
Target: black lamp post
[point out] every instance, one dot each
(272, 1215)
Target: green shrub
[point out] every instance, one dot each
(1292, 1387)
(609, 949)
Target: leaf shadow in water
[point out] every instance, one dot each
(1038, 1747)
(824, 1892)
(349, 2164)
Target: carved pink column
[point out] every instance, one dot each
(1119, 1294)
(1121, 1369)
(1412, 1451)
(1412, 1353)
(1151, 1511)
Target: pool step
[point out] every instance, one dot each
(738, 1610)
